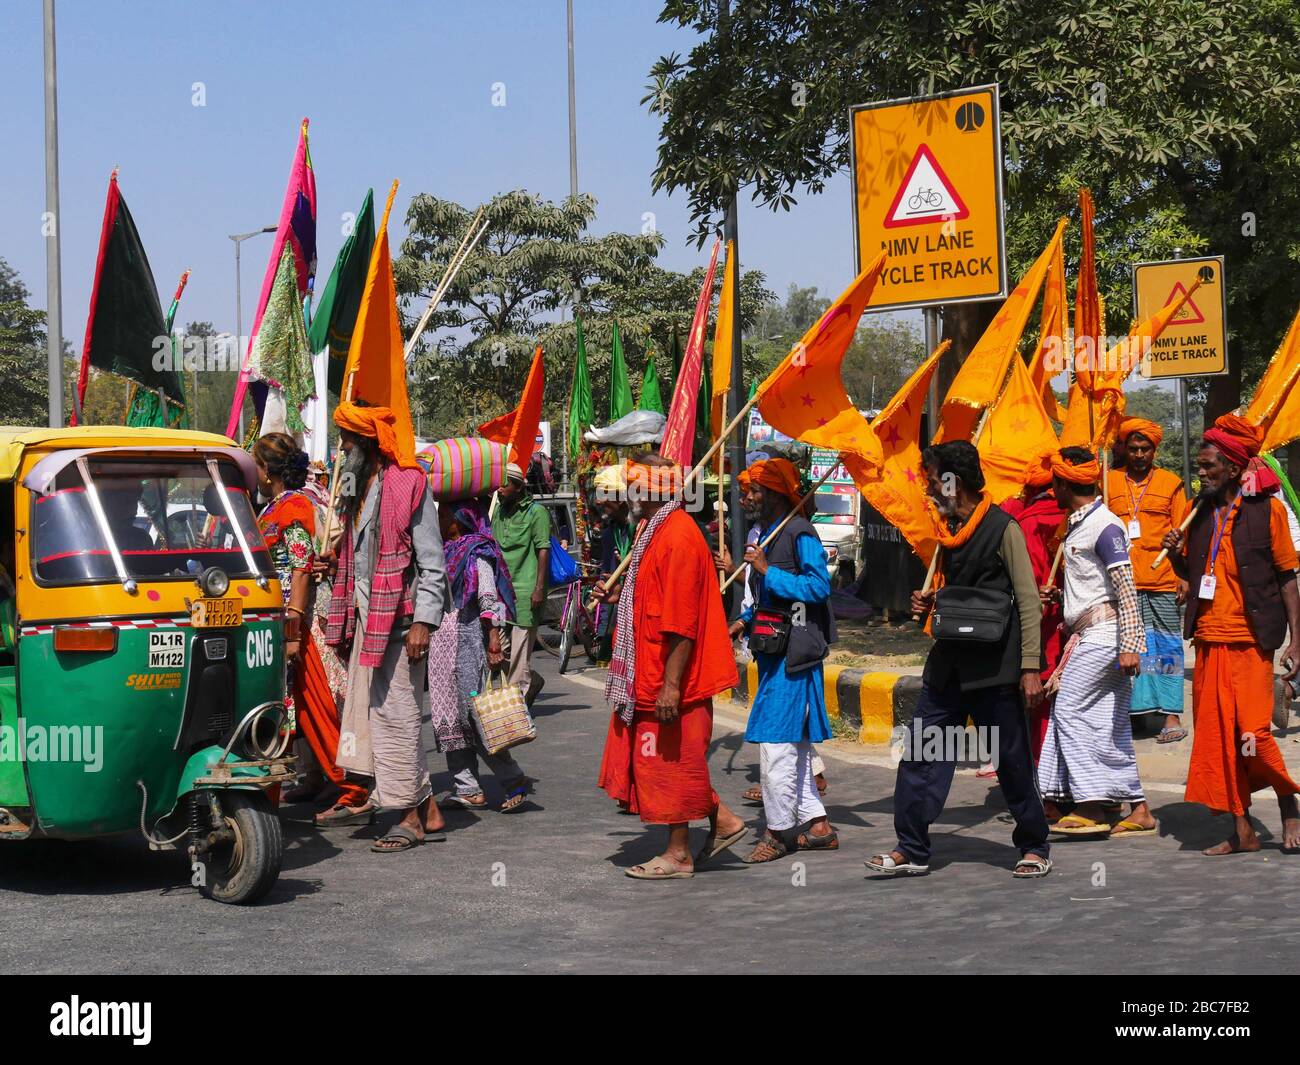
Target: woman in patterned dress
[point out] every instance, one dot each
(288, 524)
(484, 599)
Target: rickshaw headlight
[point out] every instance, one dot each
(214, 582)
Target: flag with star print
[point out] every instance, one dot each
(983, 375)
(804, 397)
(1017, 437)
(896, 488)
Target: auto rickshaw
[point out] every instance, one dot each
(142, 682)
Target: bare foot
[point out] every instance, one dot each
(1234, 845)
(1290, 822)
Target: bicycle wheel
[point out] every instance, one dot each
(587, 634)
(567, 626)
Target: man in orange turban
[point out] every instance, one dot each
(1149, 501)
(388, 596)
(671, 657)
(1238, 551)
(790, 629)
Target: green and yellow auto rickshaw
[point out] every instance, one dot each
(142, 682)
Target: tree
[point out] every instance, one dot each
(535, 260)
(24, 369)
(1183, 117)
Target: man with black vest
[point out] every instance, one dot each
(1240, 564)
(985, 661)
(790, 631)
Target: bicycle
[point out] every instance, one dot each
(575, 624)
(924, 197)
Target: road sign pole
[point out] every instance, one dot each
(932, 342)
(1187, 436)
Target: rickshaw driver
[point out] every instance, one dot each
(120, 499)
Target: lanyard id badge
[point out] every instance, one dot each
(1135, 530)
(1208, 582)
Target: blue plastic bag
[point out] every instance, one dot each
(563, 568)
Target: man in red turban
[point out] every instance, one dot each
(1150, 501)
(1238, 550)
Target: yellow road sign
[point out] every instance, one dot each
(927, 188)
(1195, 343)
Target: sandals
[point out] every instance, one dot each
(768, 849)
(658, 869)
(515, 797)
(714, 846)
(754, 794)
(885, 865)
(1032, 867)
(1171, 735)
(461, 802)
(806, 841)
(402, 838)
(338, 816)
(1132, 828)
(1078, 825)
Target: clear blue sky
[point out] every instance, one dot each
(393, 90)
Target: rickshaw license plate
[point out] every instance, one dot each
(216, 613)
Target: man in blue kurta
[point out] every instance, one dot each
(790, 630)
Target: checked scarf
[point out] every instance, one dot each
(400, 491)
(620, 685)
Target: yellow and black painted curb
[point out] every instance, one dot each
(873, 703)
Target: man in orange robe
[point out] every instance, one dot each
(1240, 563)
(1149, 502)
(672, 654)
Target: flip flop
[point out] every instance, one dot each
(657, 869)
(1035, 869)
(519, 792)
(460, 802)
(754, 794)
(1171, 735)
(714, 846)
(1132, 828)
(400, 834)
(885, 865)
(339, 816)
(1077, 825)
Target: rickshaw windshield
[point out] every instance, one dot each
(167, 518)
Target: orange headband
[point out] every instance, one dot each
(653, 482)
(380, 423)
(1084, 473)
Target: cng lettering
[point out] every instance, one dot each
(260, 649)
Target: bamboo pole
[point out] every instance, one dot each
(1187, 521)
(334, 479)
(795, 511)
(722, 522)
(449, 274)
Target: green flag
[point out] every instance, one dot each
(336, 314)
(620, 388)
(580, 410)
(651, 397)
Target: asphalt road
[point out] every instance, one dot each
(542, 890)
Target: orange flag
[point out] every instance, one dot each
(980, 380)
(1096, 429)
(804, 396)
(720, 379)
(1018, 435)
(518, 427)
(1049, 359)
(1088, 317)
(376, 368)
(1275, 407)
(896, 487)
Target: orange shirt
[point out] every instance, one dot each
(1223, 619)
(1161, 506)
(677, 592)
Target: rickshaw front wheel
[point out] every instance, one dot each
(246, 868)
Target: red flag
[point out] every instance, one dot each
(518, 427)
(679, 432)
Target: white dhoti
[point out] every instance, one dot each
(380, 732)
(789, 784)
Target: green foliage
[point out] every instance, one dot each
(24, 370)
(535, 261)
(1182, 116)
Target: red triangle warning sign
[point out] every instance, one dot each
(925, 195)
(1188, 313)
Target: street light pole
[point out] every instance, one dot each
(573, 113)
(53, 269)
(239, 238)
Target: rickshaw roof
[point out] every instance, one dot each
(15, 439)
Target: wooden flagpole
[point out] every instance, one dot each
(1187, 521)
(454, 265)
(334, 479)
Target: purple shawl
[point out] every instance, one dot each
(475, 542)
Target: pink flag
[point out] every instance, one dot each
(679, 432)
(298, 228)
